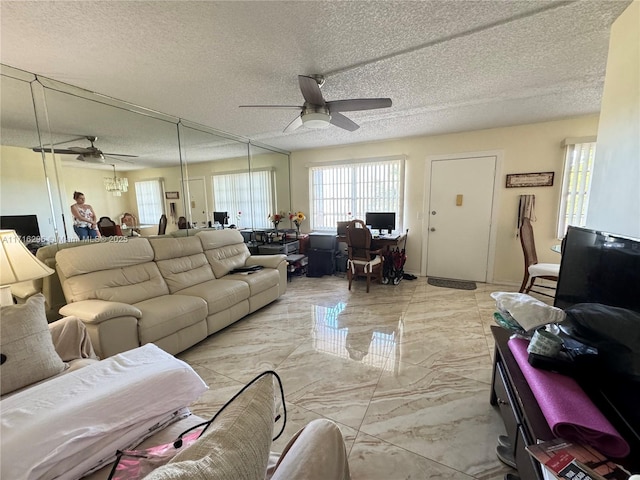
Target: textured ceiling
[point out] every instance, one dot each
(448, 66)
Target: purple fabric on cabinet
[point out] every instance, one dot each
(567, 408)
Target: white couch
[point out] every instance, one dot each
(173, 292)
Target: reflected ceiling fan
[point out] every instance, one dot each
(318, 113)
(91, 154)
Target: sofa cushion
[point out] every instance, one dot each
(258, 281)
(108, 271)
(165, 315)
(219, 294)
(181, 262)
(235, 446)
(27, 349)
(225, 250)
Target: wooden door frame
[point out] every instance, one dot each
(499, 155)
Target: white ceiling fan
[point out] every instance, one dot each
(91, 154)
(318, 113)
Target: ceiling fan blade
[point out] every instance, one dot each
(61, 151)
(356, 104)
(120, 155)
(310, 90)
(271, 106)
(81, 150)
(341, 121)
(294, 125)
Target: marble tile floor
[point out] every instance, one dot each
(405, 372)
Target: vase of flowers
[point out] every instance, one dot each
(297, 218)
(276, 218)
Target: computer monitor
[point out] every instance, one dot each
(342, 228)
(26, 226)
(221, 217)
(381, 221)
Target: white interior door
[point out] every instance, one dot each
(459, 225)
(197, 202)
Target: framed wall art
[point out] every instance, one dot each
(538, 179)
(172, 195)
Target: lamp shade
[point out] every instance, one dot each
(17, 264)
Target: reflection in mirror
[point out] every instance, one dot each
(90, 143)
(270, 192)
(96, 145)
(209, 156)
(23, 185)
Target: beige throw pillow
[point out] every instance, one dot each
(235, 447)
(26, 347)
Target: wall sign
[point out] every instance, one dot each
(539, 179)
(171, 195)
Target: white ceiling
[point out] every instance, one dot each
(448, 66)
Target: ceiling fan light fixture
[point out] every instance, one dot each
(316, 120)
(96, 157)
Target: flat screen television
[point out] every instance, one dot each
(221, 217)
(599, 267)
(381, 221)
(26, 226)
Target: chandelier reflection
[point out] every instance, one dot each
(116, 185)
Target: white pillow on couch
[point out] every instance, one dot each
(26, 347)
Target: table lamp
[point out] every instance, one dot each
(17, 264)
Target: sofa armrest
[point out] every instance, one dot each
(267, 261)
(97, 311)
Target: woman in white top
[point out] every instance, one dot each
(84, 218)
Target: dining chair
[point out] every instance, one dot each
(162, 224)
(108, 227)
(533, 269)
(362, 260)
(182, 223)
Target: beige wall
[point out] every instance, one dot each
(23, 188)
(615, 197)
(526, 148)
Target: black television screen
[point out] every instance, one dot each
(599, 267)
(221, 217)
(381, 221)
(26, 226)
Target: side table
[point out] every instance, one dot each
(296, 264)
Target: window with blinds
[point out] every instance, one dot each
(344, 191)
(576, 184)
(249, 194)
(150, 201)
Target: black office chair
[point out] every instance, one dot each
(162, 225)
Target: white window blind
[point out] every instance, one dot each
(150, 201)
(341, 192)
(249, 193)
(576, 185)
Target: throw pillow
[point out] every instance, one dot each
(26, 347)
(235, 446)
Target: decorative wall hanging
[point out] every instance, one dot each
(538, 179)
(172, 195)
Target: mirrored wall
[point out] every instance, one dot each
(58, 139)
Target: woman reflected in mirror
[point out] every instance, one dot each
(84, 218)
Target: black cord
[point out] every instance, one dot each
(178, 442)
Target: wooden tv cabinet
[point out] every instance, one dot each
(525, 424)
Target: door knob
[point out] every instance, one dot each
(432, 229)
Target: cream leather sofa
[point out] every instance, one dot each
(173, 292)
